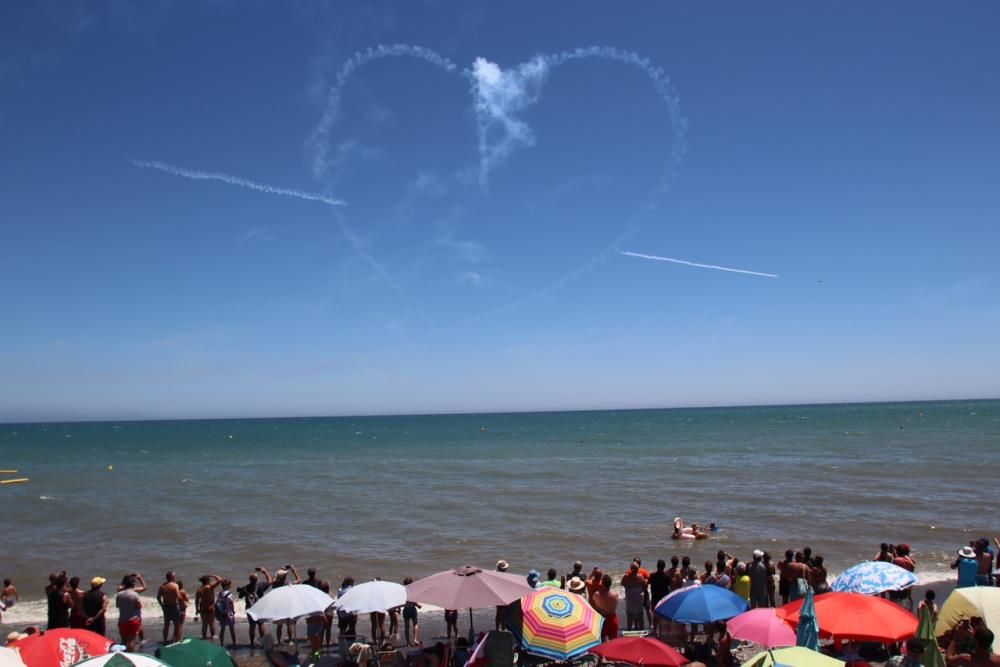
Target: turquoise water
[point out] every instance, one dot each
(408, 496)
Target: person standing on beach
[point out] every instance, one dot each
(168, 597)
(59, 603)
(324, 586)
(577, 571)
(225, 612)
(252, 592)
(784, 576)
(659, 587)
(967, 566)
(204, 603)
(411, 618)
(798, 575)
(347, 622)
(906, 561)
(771, 572)
(985, 558)
(182, 604)
(606, 603)
(281, 579)
(500, 620)
(77, 617)
(594, 584)
(635, 586)
(552, 581)
(759, 577)
(95, 606)
(129, 606)
(672, 572)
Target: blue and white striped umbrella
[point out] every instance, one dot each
(873, 577)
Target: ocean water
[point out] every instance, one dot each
(409, 496)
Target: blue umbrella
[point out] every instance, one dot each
(701, 604)
(807, 632)
(873, 577)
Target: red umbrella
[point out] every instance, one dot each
(640, 651)
(857, 617)
(55, 648)
(468, 587)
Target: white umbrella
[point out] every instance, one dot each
(10, 658)
(372, 596)
(290, 602)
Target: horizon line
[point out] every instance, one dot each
(500, 412)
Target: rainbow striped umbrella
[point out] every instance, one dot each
(555, 623)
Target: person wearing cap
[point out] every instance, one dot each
(967, 566)
(533, 578)
(500, 620)
(95, 606)
(759, 577)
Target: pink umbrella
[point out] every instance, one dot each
(468, 587)
(762, 626)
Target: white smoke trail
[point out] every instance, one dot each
(356, 244)
(501, 94)
(319, 139)
(236, 180)
(714, 267)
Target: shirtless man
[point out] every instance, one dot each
(983, 656)
(168, 596)
(204, 603)
(77, 617)
(605, 601)
(795, 572)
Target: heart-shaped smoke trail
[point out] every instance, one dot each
(499, 97)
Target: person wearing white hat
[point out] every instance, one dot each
(967, 566)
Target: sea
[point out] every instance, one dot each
(399, 496)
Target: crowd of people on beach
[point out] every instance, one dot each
(759, 580)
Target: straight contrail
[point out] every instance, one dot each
(700, 266)
(236, 180)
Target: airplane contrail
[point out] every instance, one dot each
(236, 180)
(715, 267)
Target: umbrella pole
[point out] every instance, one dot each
(472, 630)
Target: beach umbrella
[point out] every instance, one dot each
(195, 653)
(372, 596)
(61, 647)
(290, 602)
(640, 651)
(761, 626)
(10, 658)
(807, 630)
(701, 604)
(122, 660)
(192, 652)
(798, 656)
(925, 630)
(554, 623)
(963, 603)
(468, 587)
(855, 616)
(873, 577)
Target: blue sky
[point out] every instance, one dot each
(482, 181)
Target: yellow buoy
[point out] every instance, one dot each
(110, 468)
(20, 480)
